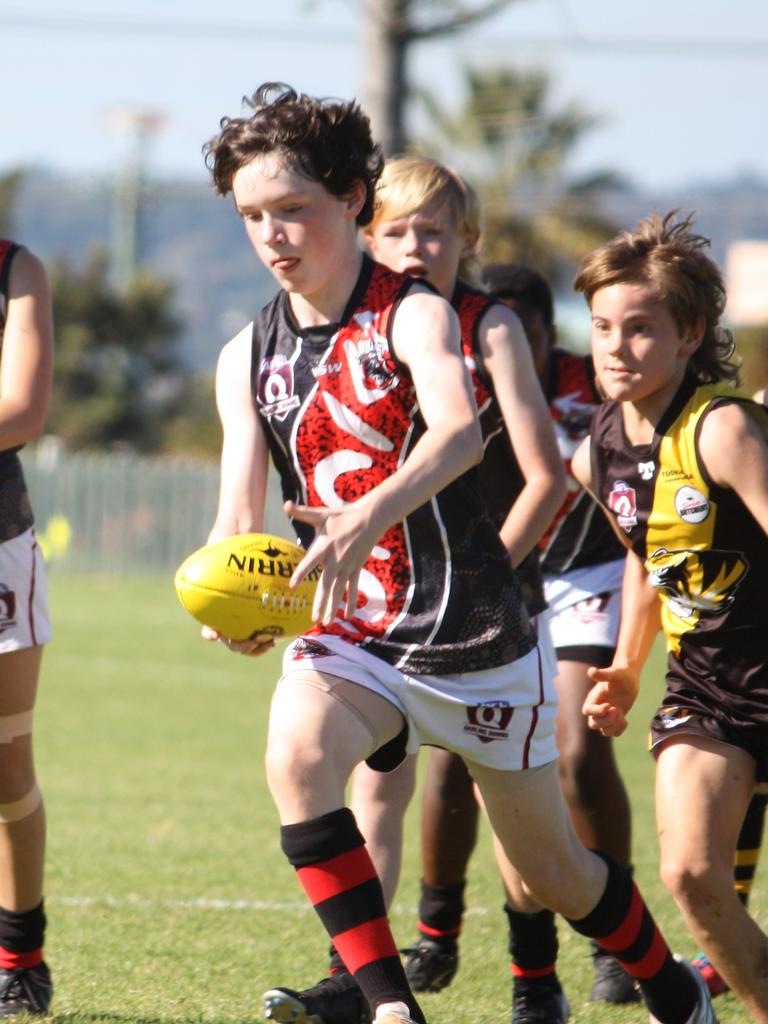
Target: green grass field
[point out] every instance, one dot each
(167, 895)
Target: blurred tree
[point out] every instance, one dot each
(119, 378)
(514, 149)
(9, 185)
(391, 27)
(752, 346)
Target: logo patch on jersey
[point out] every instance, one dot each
(696, 582)
(691, 505)
(646, 469)
(622, 501)
(378, 371)
(7, 608)
(489, 722)
(275, 388)
(305, 648)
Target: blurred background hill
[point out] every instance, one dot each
(193, 238)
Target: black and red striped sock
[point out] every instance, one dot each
(533, 946)
(338, 876)
(623, 925)
(21, 937)
(441, 909)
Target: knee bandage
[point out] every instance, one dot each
(21, 808)
(12, 726)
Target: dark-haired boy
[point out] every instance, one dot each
(353, 379)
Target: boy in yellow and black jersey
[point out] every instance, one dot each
(679, 460)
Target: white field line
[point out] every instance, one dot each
(204, 903)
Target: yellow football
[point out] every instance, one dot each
(240, 586)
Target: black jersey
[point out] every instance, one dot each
(15, 510)
(705, 553)
(499, 476)
(580, 535)
(438, 594)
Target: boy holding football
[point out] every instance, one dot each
(679, 459)
(421, 634)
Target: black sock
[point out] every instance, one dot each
(533, 946)
(21, 937)
(441, 909)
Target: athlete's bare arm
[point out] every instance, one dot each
(425, 337)
(615, 691)
(616, 687)
(26, 368)
(244, 453)
(244, 462)
(734, 450)
(507, 357)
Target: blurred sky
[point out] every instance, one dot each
(680, 85)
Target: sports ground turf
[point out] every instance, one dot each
(168, 898)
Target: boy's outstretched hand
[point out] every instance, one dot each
(610, 699)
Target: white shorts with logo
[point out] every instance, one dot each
(502, 717)
(585, 606)
(24, 615)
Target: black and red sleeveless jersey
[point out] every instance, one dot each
(437, 594)
(15, 510)
(704, 551)
(499, 476)
(580, 535)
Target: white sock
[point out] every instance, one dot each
(398, 1009)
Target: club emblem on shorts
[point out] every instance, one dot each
(622, 501)
(275, 387)
(691, 505)
(669, 718)
(7, 608)
(304, 648)
(489, 722)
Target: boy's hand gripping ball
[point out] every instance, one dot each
(240, 587)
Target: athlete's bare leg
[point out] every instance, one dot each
(589, 775)
(22, 841)
(379, 801)
(530, 818)
(703, 788)
(315, 742)
(449, 819)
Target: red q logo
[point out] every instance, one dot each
(275, 389)
(488, 722)
(622, 501)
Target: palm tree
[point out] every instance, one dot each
(514, 150)
(9, 185)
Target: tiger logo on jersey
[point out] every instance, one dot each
(697, 582)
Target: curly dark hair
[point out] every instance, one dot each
(666, 254)
(328, 141)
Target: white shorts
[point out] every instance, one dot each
(585, 606)
(24, 616)
(502, 717)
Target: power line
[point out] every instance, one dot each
(302, 31)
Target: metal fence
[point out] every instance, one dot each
(124, 513)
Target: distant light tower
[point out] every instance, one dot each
(139, 125)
